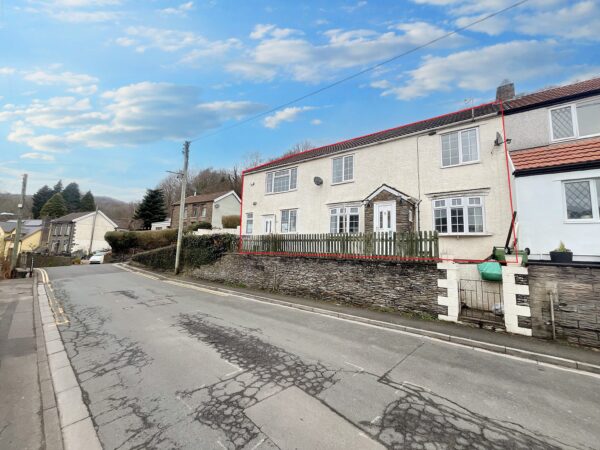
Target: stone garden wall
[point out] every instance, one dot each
(575, 292)
(402, 286)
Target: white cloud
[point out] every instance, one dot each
(33, 155)
(262, 31)
(305, 61)
(77, 83)
(316, 122)
(180, 10)
(358, 5)
(76, 11)
(285, 115)
(7, 70)
(478, 69)
(196, 46)
(133, 115)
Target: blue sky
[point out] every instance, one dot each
(103, 92)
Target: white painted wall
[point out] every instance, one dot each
(542, 223)
(83, 233)
(395, 163)
(227, 206)
(161, 225)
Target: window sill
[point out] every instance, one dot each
(282, 192)
(464, 234)
(470, 163)
(582, 221)
(342, 182)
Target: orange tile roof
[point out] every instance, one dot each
(557, 156)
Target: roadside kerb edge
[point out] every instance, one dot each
(75, 422)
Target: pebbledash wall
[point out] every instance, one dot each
(410, 287)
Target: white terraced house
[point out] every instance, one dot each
(446, 174)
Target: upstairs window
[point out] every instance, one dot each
(343, 169)
(288, 220)
(282, 180)
(460, 147)
(459, 215)
(575, 121)
(582, 199)
(249, 223)
(344, 220)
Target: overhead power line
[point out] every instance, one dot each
(362, 72)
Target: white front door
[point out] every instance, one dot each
(384, 217)
(269, 224)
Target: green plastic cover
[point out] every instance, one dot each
(490, 271)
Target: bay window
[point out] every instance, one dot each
(282, 180)
(344, 219)
(342, 169)
(460, 147)
(458, 215)
(288, 220)
(575, 121)
(582, 199)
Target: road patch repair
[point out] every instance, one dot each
(541, 359)
(78, 431)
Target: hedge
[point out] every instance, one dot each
(230, 221)
(195, 251)
(124, 241)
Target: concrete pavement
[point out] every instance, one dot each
(28, 415)
(163, 365)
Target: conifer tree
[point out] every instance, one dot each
(39, 199)
(55, 207)
(88, 202)
(152, 208)
(72, 196)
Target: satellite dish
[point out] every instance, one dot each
(318, 181)
(499, 141)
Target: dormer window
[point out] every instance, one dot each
(575, 121)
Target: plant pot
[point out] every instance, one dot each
(561, 257)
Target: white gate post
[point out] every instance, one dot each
(510, 290)
(451, 300)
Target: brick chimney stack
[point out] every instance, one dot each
(506, 91)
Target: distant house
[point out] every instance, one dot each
(79, 233)
(207, 208)
(31, 237)
(6, 228)
(129, 224)
(163, 225)
(555, 152)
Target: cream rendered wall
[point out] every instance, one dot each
(83, 233)
(395, 163)
(542, 223)
(228, 206)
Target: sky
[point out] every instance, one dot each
(104, 92)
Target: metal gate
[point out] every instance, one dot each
(481, 302)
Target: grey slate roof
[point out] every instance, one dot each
(7, 227)
(70, 217)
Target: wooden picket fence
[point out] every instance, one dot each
(422, 244)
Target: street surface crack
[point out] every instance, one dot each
(266, 370)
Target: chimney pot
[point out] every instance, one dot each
(506, 91)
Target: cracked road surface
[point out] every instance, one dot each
(164, 366)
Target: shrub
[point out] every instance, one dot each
(231, 221)
(195, 251)
(125, 241)
(198, 226)
(121, 241)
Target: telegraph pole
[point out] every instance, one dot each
(186, 156)
(17, 240)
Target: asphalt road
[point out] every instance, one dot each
(166, 366)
